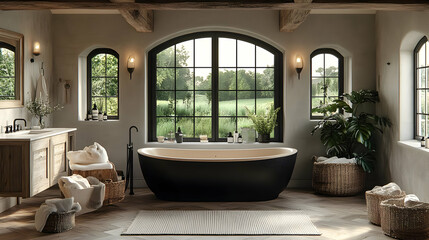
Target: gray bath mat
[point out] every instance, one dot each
(224, 222)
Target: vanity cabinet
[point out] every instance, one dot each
(28, 167)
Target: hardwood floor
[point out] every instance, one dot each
(339, 218)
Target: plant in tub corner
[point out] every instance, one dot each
(347, 132)
(41, 109)
(264, 123)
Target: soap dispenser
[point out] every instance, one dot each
(179, 136)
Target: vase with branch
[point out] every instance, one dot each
(40, 109)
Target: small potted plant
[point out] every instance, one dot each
(347, 132)
(264, 123)
(41, 109)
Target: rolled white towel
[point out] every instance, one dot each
(411, 200)
(321, 159)
(89, 155)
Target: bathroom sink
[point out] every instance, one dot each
(38, 131)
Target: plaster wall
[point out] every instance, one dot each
(35, 26)
(351, 35)
(401, 161)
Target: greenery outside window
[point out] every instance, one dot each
(7, 72)
(421, 94)
(103, 81)
(327, 78)
(202, 83)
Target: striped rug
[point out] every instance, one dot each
(221, 222)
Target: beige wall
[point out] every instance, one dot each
(352, 35)
(397, 35)
(35, 26)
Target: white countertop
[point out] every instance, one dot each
(32, 135)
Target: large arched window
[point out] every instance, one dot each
(103, 81)
(327, 78)
(203, 82)
(421, 95)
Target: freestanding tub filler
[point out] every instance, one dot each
(217, 174)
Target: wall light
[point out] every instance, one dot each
(299, 65)
(36, 50)
(131, 66)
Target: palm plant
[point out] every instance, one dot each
(347, 132)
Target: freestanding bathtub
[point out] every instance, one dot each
(217, 174)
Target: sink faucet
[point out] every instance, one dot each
(14, 123)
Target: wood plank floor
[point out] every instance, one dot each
(339, 218)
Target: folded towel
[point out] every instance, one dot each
(94, 166)
(75, 181)
(336, 160)
(89, 155)
(51, 206)
(391, 189)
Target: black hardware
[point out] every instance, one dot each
(14, 124)
(130, 167)
(9, 129)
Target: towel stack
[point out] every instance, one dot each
(335, 160)
(90, 158)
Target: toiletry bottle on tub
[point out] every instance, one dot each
(179, 136)
(95, 112)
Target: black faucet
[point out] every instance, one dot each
(14, 123)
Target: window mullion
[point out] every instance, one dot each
(215, 88)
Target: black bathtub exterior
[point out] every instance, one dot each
(258, 180)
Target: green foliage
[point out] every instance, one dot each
(347, 132)
(264, 123)
(7, 74)
(41, 108)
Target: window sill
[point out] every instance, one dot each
(96, 121)
(223, 145)
(415, 144)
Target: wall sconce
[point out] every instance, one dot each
(36, 50)
(131, 66)
(298, 66)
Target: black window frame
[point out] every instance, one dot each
(416, 68)
(92, 54)
(340, 75)
(215, 35)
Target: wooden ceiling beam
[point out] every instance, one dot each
(292, 18)
(140, 19)
(392, 5)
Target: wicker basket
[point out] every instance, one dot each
(338, 179)
(59, 222)
(402, 222)
(115, 192)
(373, 201)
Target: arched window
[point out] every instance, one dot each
(327, 78)
(203, 82)
(421, 95)
(7, 72)
(103, 81)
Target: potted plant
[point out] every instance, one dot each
(348, 132)
(40, 109)
(264, 123)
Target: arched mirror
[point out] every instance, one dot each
(11, 69)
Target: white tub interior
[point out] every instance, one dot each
(217, 155)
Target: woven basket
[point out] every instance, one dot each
(100, 174)
(115, 192)
(373, 201)
(59, 222)
(338, 179)
(402, 222)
